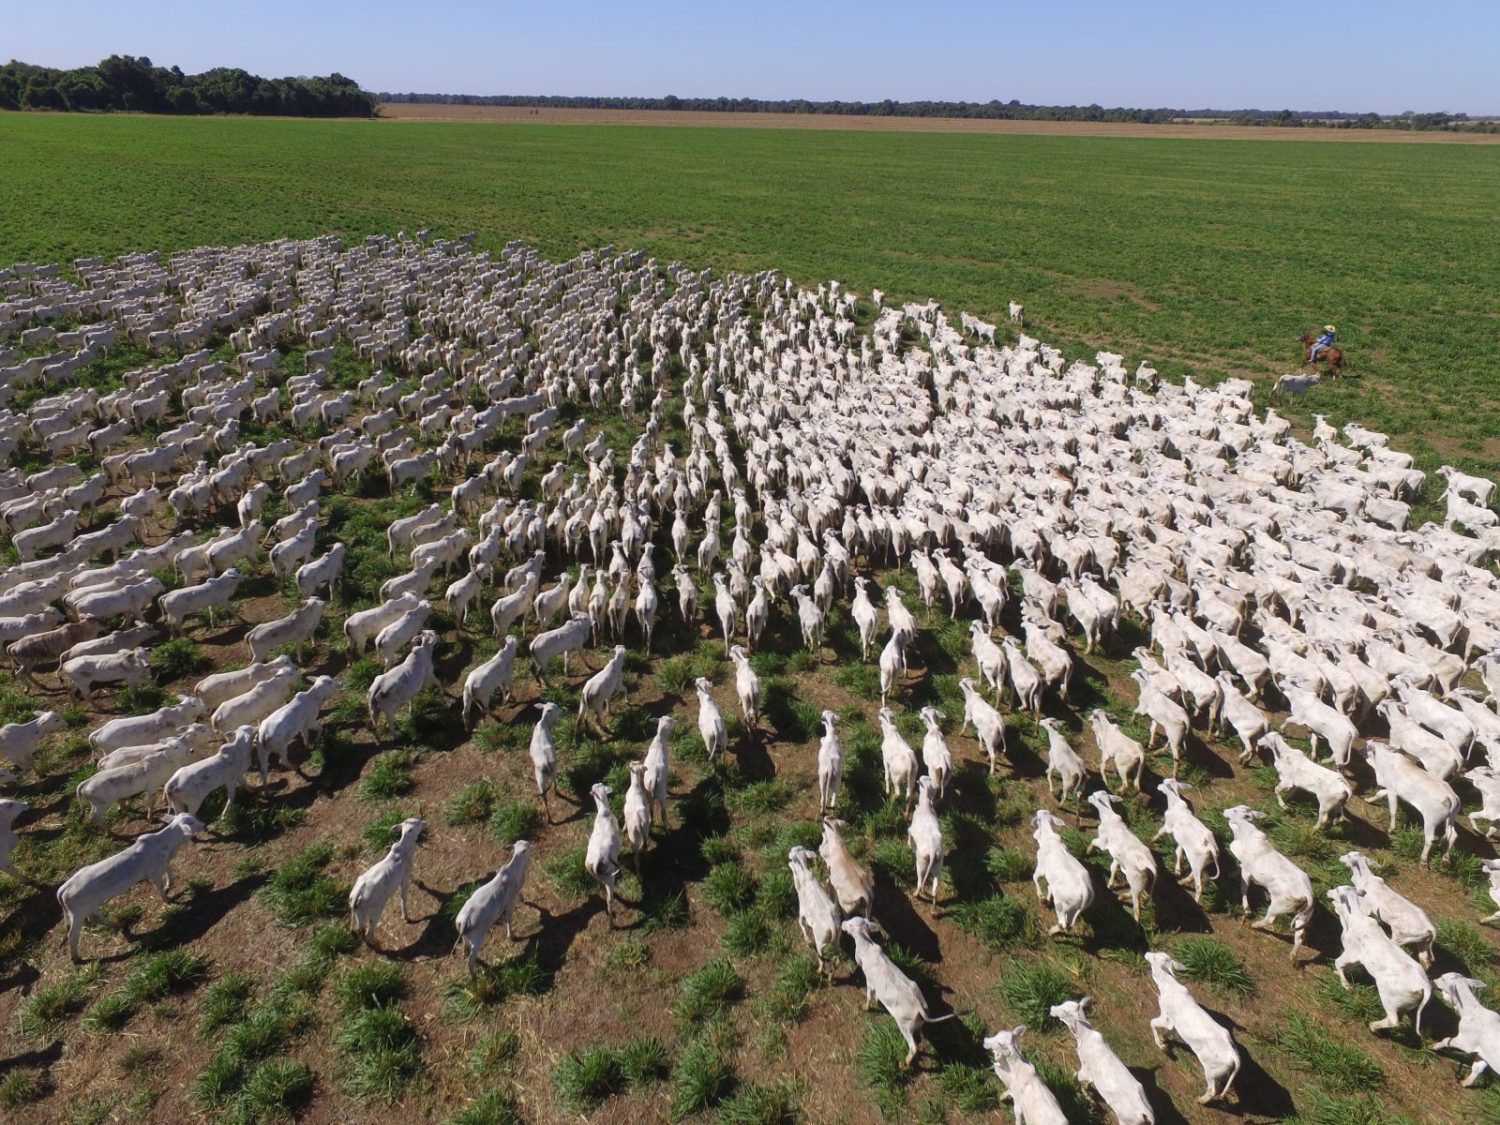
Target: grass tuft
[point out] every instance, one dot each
(472, 804)
(299, 893)
(224, 1002)
(702, 1077)
(787, 1001)
(730, 888)
(515, 820)
(1000, 922)
(275, 1091)
(708, 991)
(370, 986)
(1008, 865)
(1031, 988)
(880, 1064)
(494, 1107)
(568, 875)
(58, 1002)
(586, 1079)
(760, 1103)
(389, 776)
(1209, 960)
(23, 1087)
(469, 997)
(750, 932)
(1335, 1063)
(494, 1051)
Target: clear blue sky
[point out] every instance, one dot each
(1375, 55)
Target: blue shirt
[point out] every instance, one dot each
(1325, 339)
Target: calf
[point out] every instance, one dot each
(1127, 854)
(1408, 922)
(1118, 749)
(250, 707)
(1478, 1031)
(215, 593)
(1063, 761)
(481, 684)
(853, 886)
(1289, 888)
(895, 991)
(899, 760)
(137, 775)
(989, 726)
(9, 810)
(1193, 838)
(1100, 1069)
(601, 688)
(83, 672)
(658, 766)
(136, 730)
(189, 787)
(602, 859)
(1400, 981)
(492, 902)
(1067, 881)
(1181, 1015)
(817, 916)
(322, 572)
(390, 691)
(1401, 779)
(543, 751)
(296, 629)
(148, 858)
(637, 813)
(30, 652)
(361, 628)
(935, 753)
(392, 873)
(1295, 770)
(293, 722)
(19, 741)
(393, 639)
(746, 687)
(103, 602)
(1031, 1101)
(573, 636)
(925, 835)
(714, 733)
(211, 691)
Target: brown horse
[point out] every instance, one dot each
(1330, 355)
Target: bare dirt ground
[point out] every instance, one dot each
(524, 115)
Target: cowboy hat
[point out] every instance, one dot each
(1329, 328)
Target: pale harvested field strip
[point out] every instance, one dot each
(523, 115)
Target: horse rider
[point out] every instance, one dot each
(1330, 333)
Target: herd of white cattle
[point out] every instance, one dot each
(1258, 562)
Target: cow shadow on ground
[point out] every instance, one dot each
(753, 756)
(438, 936)
(900, 919)
(201, 911)
(556, 933)
(40, 1058)
(1166, 1112)
(1173, 902)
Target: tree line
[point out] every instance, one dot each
(1012, 110)
(124, 82)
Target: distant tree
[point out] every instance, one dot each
(131, 83)
(41, 94)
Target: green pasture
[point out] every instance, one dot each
(1208, 257)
